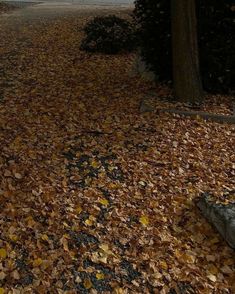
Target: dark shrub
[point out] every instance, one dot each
(108, 34)
(216, 44)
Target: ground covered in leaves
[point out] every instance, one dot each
(5, 8)
(94, 196)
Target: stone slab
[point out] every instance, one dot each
(221, 216)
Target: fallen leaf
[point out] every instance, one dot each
(212, 269)
(119, 290)
(188, 258)
(18, 176)
(99, 276)
(90, 221)
(95, 164)
(2, 276)
(64, 242)
(104, 202)
(212, 278)
(15, 274)
(45, 237)
(87, 284)
(163, 264)
(78, 209)
(37, 262)
(3, 253)
(13, 238)
(144, 220)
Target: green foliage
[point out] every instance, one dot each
(109, 34)
(216, 45)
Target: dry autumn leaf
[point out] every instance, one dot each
(13, 238)
(95, 164)
(18, 176)
(212, 278)
(163, 265)
(37, 262)
(104, 202)
(144, 220)
(119, 290)
(96, 196)
(87, 284)
(3, 253)
(78, 209)
(90, 221)
(2, 275)
(100, 276)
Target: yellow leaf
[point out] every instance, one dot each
(188, 258)
(144, 220)
(118, 290)
(3, 253)
(104, 247)
(87, 284)
(163, 265)
(37, 262)
(104, 202)
(178, 254)
(90, 221)
(30, 221)
(44, 237)
(113, 186)
(99, 276)
(13, 238)
(2, 291)
(78, 209)
(95, 164)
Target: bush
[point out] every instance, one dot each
(216, 45)
(108, 34)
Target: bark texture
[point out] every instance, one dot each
(186, 72)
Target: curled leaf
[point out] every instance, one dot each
(87, 284)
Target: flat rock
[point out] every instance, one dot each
(222, 216)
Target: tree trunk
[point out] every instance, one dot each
(186, 73)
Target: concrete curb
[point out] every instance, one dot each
(229, 119)
(222, 217)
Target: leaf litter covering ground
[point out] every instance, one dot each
(5, 8)
(96, 198)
